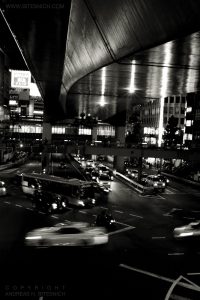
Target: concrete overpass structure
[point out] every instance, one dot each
(65, 45)
(119, 152)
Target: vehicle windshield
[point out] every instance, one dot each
(104, 177)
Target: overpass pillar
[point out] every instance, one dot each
(120, 142)
(119, 163)
(120, 135)
(46, 140)
(94, 138)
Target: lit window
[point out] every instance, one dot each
(189, 123)
(188, 109)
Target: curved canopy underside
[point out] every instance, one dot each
(66, 47)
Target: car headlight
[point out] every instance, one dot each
(3, 183)
(80, 202)
(37, 237)
(167, 180)
(63, 204)
(163, 184)
(93, 177)
(3, 189)
(155, 184)
(54, 205)
(93, 201)
(111, 177)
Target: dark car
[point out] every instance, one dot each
(17, 179)
(48, 202)
(163, 178)
(105, 219)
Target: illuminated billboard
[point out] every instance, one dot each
(20, 79)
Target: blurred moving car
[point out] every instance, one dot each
(190, 230)
(48, 202)
(81, 203)
(3, 190)
(67, 235)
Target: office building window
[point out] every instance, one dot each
(177, 99)
(171, 99)
(166, 100)
(182, 110)
(182, 121)
(183, 99)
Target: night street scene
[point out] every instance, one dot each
(100, 149)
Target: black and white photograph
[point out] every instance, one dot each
(100, 149)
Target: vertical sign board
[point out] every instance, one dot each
(20, 79)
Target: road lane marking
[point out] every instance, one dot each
(183, 284)
(121, 230)
(195, 211)
(189, 218)
(127, 225)
(83, 212)
(176, 253)
(94, 215)
(193, 273)
(161, 197)
(7, 202)
(173, 189)
(167, 191)
(158, 237)
(29, 208)
(136, 216)
(119, 211)
(41, 212)
(55, 217)
(167, 215)
(18, 205)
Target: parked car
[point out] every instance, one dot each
(190, 230)
(67, 235)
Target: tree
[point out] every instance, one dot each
(172, 135)
(134, 136)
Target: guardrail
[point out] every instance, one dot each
(135, 185)
(190, 182)
(14, 164)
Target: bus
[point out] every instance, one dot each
(73, 191)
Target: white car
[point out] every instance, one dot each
(3, 190)
(190, 230)
(104, 181)
(67, 235)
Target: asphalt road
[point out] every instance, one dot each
(142, 259)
